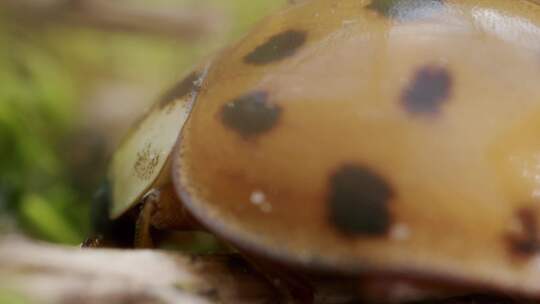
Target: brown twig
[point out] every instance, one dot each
(117, 16)
(54, 274)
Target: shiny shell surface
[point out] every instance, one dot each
(391, 136)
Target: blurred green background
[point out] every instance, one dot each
(70, 89)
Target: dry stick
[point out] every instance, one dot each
(55, 274)
(48, 274)
(118, 16)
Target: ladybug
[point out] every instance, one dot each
(380, 139)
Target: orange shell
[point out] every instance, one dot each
(388, 136)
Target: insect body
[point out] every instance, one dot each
(396, 137)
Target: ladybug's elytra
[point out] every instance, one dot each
(363, 137)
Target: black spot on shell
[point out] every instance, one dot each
(250, 114)
(278, 47)
(358, 201)
(526, 241)
(429, 89)
(404, 10)
(187, 86)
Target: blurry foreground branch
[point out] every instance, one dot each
(117, 16)
(50, 274)
(46, 274)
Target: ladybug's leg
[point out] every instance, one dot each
(160, 210)
(143, 238)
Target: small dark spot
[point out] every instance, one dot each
(404, 10)
(526, 241)
(250, 114)
(359, 201)
(277, 47)
(187, 86)
(428, 90)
